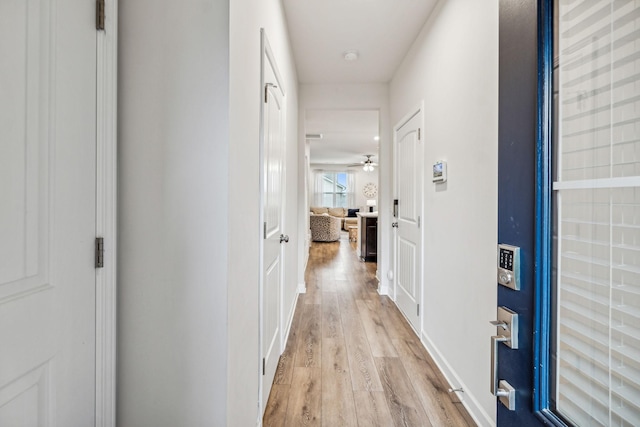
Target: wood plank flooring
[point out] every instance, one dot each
(352, 359)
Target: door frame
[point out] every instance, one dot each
(266, 54)
(419, 109)
(516, 221)
(543, 230)
(543, 304)
(106, 216)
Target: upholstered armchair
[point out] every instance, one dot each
(324, 228)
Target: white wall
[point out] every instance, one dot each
(173, 218)
(358, 97)
(305, 189)
(246, 19)
(363, 178)
(453, 67)
(189, 152)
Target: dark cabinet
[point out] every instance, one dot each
(369, 238)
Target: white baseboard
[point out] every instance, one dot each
(302, 288)
(292, 310)
(467, 398)
(383, 289)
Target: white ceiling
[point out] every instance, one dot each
(347, 135)
(382, 31)
(321, 31)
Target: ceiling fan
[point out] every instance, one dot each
(367, 165)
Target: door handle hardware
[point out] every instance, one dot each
(494, 361)
(394, 224)
(284, 238)
(266, 91)
(509, 266)
(507, 322)
(500, 324)
(507, 395)
(507, 333)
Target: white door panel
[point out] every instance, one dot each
(47, 220)
(408, 179)
(407, 267)
(273, 153)
(271, 318)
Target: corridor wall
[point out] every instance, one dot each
(189, 120)
(173, 144)
(453, 68)
(247, 17)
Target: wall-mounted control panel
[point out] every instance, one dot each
(509, 266)
(440, 171)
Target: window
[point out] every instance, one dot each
(595, 346)
(334, 189)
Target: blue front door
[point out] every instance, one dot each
(517, 195)
(569, 198)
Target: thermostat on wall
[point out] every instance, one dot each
(440, 171)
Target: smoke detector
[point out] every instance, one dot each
(350, 55)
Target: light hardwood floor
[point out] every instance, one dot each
(352, 359)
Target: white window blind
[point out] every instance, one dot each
(334, 189)
(597, 193)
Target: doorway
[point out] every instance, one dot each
(272, 217)
(408, 211)
(342, 148)
(58, 171)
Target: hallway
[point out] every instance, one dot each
(352, 359)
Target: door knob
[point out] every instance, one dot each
(284, 238)
(394, 224)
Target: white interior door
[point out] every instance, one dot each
(47, 218)
(273, 152)
(408, 235)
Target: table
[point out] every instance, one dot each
(353, 233)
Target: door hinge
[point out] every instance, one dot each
(99, 252)
(266, 91)
(100, 14)
(418, 134)
(418, 310)
(419, 222)
(263, 365)
(264, 231)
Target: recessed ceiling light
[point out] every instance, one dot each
(350, 55)
(376, 138)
